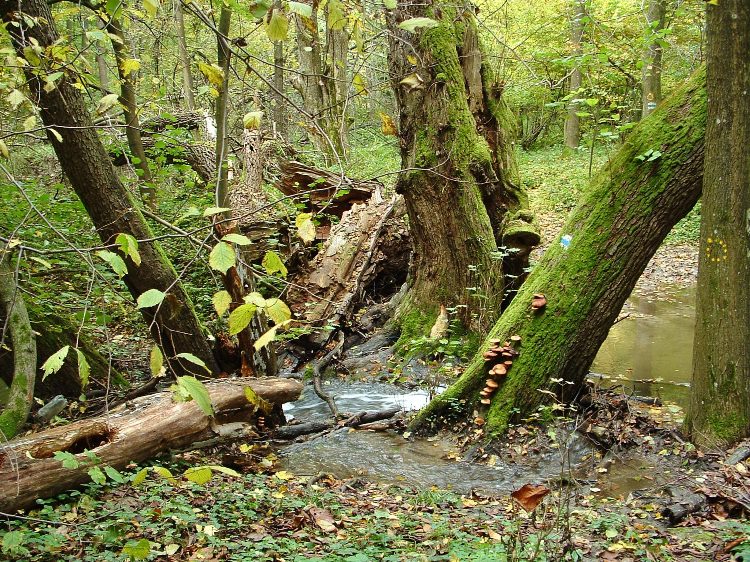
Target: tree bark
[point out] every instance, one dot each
(173, 324)
(573, 122)
(457, 178)
(720, 401)
(224, 58)
(651, 76)
(138, 431)
(625, 214)
(14, 412)
(187, 76)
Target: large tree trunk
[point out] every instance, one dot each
(457, 167)
(13, 314)
(630, 207)
(573, 122)
(651, 76)
(140, 430)
(173, 324)
(720, 404)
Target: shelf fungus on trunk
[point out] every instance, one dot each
(499, 359)
(538, 302)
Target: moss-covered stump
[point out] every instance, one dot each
(630, 206)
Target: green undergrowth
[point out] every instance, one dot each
(284, 517)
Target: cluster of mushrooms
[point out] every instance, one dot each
(500, 358)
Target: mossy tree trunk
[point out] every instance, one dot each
(622, 219)
(173, 324)
(13, 314)
(458, 167)
(720, 404)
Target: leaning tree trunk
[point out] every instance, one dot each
(573, 122)
(173, 324)
(457, 166)
(720, 404)
(630, 207)
(13, 314)
(651, 75)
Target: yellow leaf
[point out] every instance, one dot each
(130, 65)
(387, 126)
(213, 73)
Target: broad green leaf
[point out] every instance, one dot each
(29, 123)
(55, 361)
(272, 264)
(278, 26)
(114, 8)
(151, 7)
(106, 103)
(260, 404)
(255, 298)
(221, 301)
(336, 15)
(390, 4)
(251, 121)
(192, 359)
(115, 262)
(215, 211)
(171, 548)
(305, 227)
(13, 542)
(277, 311)
(304, 10)
(96, 475)
(41, 261)
(150, 298)
(156, 361)
(139, 477)
(130, 65)
(414, 23)
(129, 246)
(359, 84)
(198, 392)
(84, 369)
(222, 257)
(16, 98)
(114, 474)
(240, 318)
(137, 550)
(259, 8)
(163, 472)
(198, 474)
(268, 337)
(224, 470)
(67, 459)
(213, 73)
(238, 239)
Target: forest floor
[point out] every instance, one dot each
(642, 493)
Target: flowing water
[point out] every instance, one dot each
(649, 353)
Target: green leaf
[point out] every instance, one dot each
(390, 4)
(198, 474)
(224, 470)
(137, 550)
(96, 475)
(240, 318)
(16, 98)
(260, 404)
(156, 361)
(129, 246)
(255, 298)
(359, 84)
(221, 301)
(268, 337)
(272, 264)
(67, 459)
(251, 121)
(106, 103)
(238, 239)
(198, 392)
(277, 310)
(304, 10)
(54, 133)
(278, 26)
(55, 361)
(114, 474)
(259, 9)
(305, 227)
(115, 262)
(192, 359)
(4, 152)
(84, 369)
(13, 542)
(139, 477)
(150, 298)
(215, 211)
(414, 23)
(114, 8)
(336, 15)
(163, 472)
(222, 257)
(151, 7)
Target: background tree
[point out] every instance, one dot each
(720, 403)
(651, 73)
(575, 81)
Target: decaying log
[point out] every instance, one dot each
(289, 432)
(199, 156)
(135, 432)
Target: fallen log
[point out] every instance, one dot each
(135, 432)
(293, 431)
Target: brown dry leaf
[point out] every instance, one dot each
(323, 519)
(529, 496)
